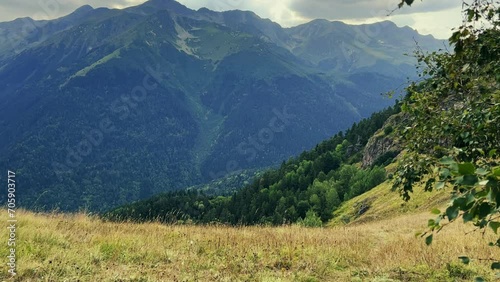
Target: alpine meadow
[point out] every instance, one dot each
(152, 141)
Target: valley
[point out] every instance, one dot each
(219, 81)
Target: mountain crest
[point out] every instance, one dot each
(83, 9)
(170, 5)
(79, 13)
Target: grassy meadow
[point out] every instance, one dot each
(78, 247)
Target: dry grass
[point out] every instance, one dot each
(56, 247)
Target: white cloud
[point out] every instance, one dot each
(361, 9)
(50, 9)
(428, 17)
(439, 23)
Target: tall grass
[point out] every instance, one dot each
(59, 247)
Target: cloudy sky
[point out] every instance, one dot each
(427, 16)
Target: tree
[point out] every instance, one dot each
(453, 136)
(311, 220)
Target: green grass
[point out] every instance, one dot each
(83, 72)
(86, 70)
(384, 203)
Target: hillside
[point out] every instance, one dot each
(381, 203)
(311, 185)
(57, 247)
(104, 106)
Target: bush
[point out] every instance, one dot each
(388, 130)
(311, 220)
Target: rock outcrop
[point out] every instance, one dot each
(384, 144)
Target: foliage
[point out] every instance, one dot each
(407, 2)
(230, 184)
(316, 182)
(388, 130)
(453, 135)
(311, 220)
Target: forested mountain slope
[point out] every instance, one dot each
(106, 106)
(310, 186)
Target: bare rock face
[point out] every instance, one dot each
(384, 143)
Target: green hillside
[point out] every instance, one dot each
(104, 107)
(312, 185)
(383, 203)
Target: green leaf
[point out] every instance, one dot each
(494, 225)
(484, 182)
(470, 14)
(479, 279)
(467, 217)
(496, 171)
(484, 210)
(465, 260)
(409, 2)
(439, 185)
(452, 212)
(492, 153)
(447, 161)
(460, 202)
(466, 169)
(493, 244)
(492, 195)
(444, 173)
(454, 168)
(431, 222)
(465, 67)
(428, 184)
(481, 194)
(428, 240)
(495, 265)
(469, 198)
(455, 36)
(435, 211)
(470, 180)
(481, 171)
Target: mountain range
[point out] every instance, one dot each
(106, 106)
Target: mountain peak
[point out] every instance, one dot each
(165, 4)
(162, 2)
(21, 20)
(78, 13)
(169, 5)
(320, 21)
(84, 9)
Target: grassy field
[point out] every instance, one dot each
(58, 247)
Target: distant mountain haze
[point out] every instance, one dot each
(105, 106)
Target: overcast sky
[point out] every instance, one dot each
(427, 17)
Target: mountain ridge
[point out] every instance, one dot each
(226, 79)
